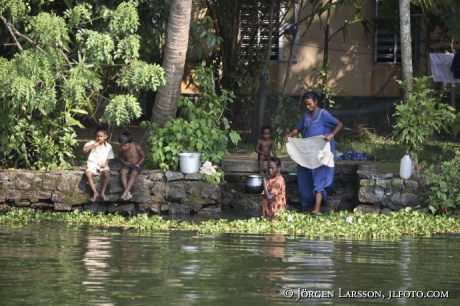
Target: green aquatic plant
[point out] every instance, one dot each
(344, 224)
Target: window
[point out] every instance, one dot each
(289, 32)
(387, 42)
(254, 27)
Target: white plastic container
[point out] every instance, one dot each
(405, 169)
(189, 162)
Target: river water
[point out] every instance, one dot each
(53, 264)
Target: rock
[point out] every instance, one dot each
(173, 176)
(366, 209)
(95, 208)
(194, 176)
(179, 209)
(176, 191)
(211, 191)
(62, 207)
(123, 208)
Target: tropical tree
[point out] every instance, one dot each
(57, 68)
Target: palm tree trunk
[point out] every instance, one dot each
(177, 35)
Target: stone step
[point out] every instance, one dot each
(250, 165)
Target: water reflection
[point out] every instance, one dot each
(49, 264)
(98, 251)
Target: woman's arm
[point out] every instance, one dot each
(267, 194)
(337, 128)
(291, 134)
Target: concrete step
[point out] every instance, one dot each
(250, 164)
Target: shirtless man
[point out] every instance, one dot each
(264, 146)
(132, 156)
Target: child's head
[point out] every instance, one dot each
(125, 137)
(101, 134)
(274, 166)
(266, 131)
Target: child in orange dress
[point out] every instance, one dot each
(274, 189)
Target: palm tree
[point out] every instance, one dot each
(177, 36)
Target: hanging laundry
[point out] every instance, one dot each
(455, 67)
(440, 68)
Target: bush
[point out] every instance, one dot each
(444, 184)
(201, 129)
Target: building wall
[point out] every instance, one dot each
(353, 71)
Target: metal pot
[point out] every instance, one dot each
(253, 184)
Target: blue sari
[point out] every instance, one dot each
(312, 181)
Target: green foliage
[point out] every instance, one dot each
(215, 178)
(443, 180)
(201, 129)
(121, 110)
(318, 79)
(124, 20)
(49, 29)
(78, 14)
(71, 61)
(202, 37)
(140, 75)
(406, 222)
(284, 119)
(422, 113)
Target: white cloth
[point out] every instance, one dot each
(311, 152)
(98, 156)
(440, 68)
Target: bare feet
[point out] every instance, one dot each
(126, 196)
(104, 197)
(94, 198)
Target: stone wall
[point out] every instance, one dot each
(363, 188)
(383, 191)
(237, 171)
(154, 192)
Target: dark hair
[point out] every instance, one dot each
(100, 129)
(276, 160)
(265, 127)
(310, 95)
(125, 137)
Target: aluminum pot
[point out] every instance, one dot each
(253, 184)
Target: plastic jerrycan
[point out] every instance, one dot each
(405, 169)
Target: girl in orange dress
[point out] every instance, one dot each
(274, 189)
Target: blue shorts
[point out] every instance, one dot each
(132, 168)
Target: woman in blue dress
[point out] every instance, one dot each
(314, 184)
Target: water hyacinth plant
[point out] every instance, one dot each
(406, 222)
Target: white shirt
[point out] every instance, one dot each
(99, 155)
(440, 68)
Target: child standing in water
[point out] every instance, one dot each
(265, 146)
(132, 156)
(98, 161)
(274, 189)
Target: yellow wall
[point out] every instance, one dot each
(353, 72)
